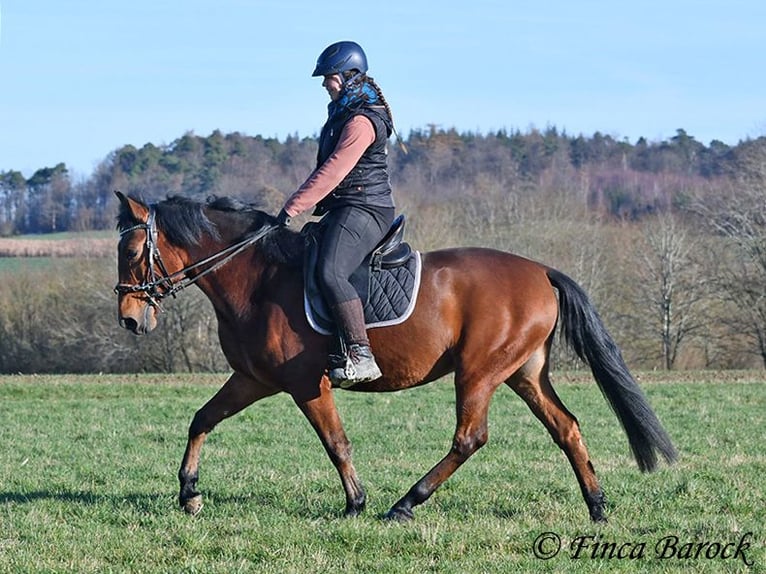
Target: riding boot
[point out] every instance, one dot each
(355, 363)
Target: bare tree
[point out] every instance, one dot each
(671, 284)
(737, 215)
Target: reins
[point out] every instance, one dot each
(158, 287)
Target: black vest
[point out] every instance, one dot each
(367, 183)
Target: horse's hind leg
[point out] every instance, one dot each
(532, 384)
(237, 393)
(470, 435)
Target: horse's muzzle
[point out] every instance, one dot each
(131, 325)
(142, 324)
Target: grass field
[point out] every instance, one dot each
(22, 264)
(88, 483)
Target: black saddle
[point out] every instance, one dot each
(387, 281)
(392, 251)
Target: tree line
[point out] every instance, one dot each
(668, 238)
(623, 179)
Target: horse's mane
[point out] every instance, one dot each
(185, 222)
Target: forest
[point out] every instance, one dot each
(668, 237)
(624, 180)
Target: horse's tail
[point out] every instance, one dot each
(583, 329)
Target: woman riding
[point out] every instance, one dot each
(350, 188)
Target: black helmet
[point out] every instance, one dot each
(341, 57)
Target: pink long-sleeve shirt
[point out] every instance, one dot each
(358, 134)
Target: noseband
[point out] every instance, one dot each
(158, 286)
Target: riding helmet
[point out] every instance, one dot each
(341, 57)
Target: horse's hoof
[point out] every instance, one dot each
(193, 505)
(399, 515)
(353, 512)
(599, 518)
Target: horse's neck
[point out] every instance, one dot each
(230, 288)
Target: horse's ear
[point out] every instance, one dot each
(138, 210)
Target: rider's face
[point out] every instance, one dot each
(333, 84)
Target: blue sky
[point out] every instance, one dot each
(79, 79)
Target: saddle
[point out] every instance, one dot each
(387, 281)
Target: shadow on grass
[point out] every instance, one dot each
(295, 507)
(159, 503)
(144, 502)
(221, 504)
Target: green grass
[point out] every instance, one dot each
(88, 481)
(21, 264)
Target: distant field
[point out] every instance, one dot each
(88, 482)
(97, 234)
(85, 244)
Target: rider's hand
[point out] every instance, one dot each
(283, 218)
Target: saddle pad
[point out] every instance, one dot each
(388, 300)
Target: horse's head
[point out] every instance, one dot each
(167, 246)
(144, 276)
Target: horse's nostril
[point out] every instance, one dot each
(128, 323)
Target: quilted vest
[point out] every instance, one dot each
(367, 183)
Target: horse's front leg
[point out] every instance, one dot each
(237, 393)
(322, 414)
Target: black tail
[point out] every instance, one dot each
(585, 332)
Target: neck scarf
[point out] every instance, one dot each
(352, 98)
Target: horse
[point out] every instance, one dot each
(486, 315)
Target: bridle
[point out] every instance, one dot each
(158, 286)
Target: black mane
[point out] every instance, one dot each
(185, 221)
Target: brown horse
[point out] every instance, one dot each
(486, 315)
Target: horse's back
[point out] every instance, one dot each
(487, 272)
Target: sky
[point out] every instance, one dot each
(81, 78)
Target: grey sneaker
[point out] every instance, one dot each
(358, 366)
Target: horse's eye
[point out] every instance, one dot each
(132, 254)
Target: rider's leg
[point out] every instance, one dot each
(350, 234)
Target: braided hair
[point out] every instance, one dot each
(354, 77)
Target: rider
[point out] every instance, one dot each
(350, 188)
